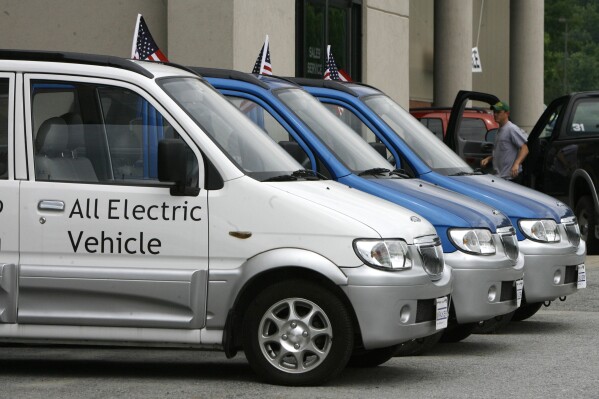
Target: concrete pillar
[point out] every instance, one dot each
(200, 33)
(88, 26)
(230, 33)
(526, 61)
(453, 50)
(385, 47)
(256, 19)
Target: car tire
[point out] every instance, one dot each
(418, 346)
(371, 358)
(526, 311)
(585, 213)
(494, 324)
(457, 332)
(297, 333)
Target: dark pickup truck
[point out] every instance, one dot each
(564, 158)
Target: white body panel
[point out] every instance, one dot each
(128, 262)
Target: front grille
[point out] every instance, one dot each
(431, 253)
(426, 310)
(510, 242)
(571, 275)
(508, 291)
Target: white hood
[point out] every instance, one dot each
(322, 216)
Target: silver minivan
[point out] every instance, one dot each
(139, 207)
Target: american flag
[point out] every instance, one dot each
(331, 72)
(262, 65)
(144, 47)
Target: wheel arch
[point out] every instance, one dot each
(581, 184)
(260, 272)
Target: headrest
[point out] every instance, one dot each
(52, 137)
(75, 124)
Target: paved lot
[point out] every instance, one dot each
(555, 354)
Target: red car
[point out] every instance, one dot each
(476, 133)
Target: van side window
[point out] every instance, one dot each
(270, 125)
(435, 125)
(260, 117)
(352, 120)
(4, 100)
(91, 133)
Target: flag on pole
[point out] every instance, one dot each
(144, 47)
(331, 72)
(262, 65)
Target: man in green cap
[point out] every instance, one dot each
(510, 147)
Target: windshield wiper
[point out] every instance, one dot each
(462, 174)
(307, 174)
(374, 172)
(477, 171)
(401, 173)
(298, 174)
(281, 178)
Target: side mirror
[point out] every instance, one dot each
(172, 166)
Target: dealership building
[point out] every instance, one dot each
(420, 52)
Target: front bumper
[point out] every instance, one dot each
(484, 286)
(550, 269)
(394, 307)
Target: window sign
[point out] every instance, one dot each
(328, 22)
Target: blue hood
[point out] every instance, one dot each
(516, 201)
(443, 208)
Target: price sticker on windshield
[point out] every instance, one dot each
(582, 277)
(442, 312)
(519, 288)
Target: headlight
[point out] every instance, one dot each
(572, 230)
(383, 254)
(544, 230)
(473, 241)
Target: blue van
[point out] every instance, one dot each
(479, 242)
(547, 230)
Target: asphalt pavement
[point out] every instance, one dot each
(554, 354)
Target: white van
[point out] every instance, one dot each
(139, 207)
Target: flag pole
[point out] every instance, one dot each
(134, 45)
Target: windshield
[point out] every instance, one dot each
(246, 144)
(422, 141)
(347, 146)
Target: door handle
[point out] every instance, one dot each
(51, 205)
